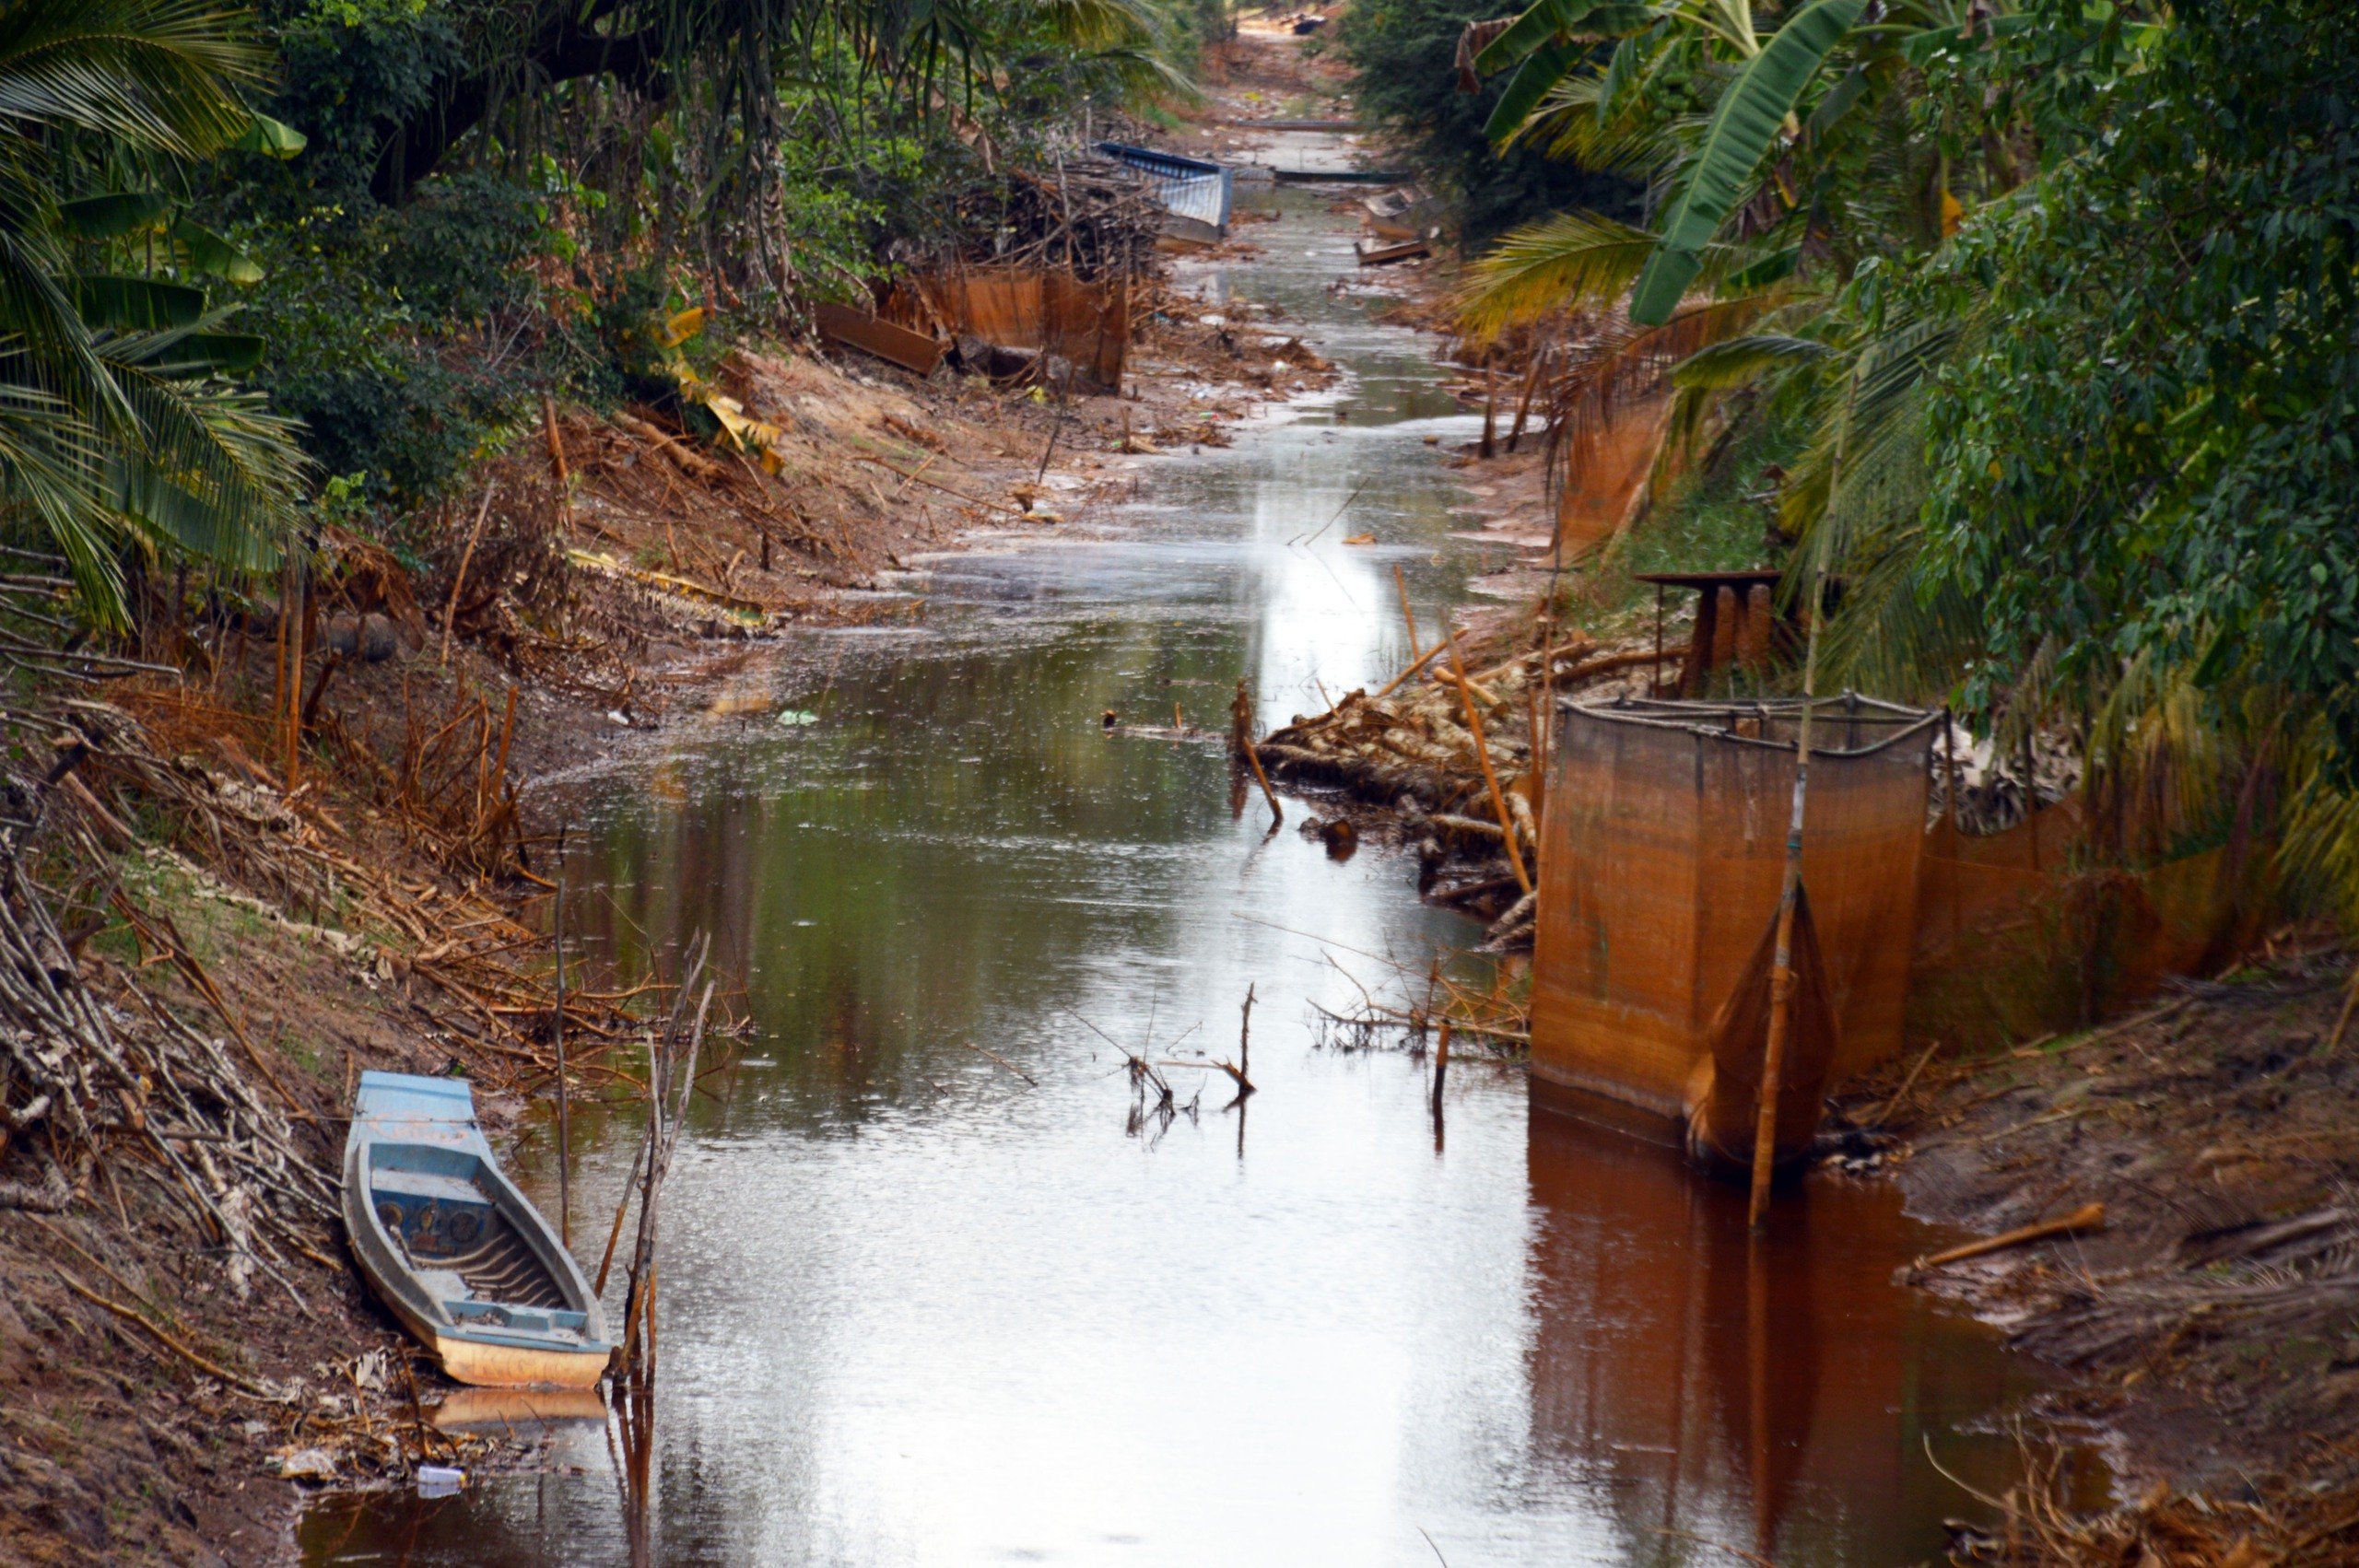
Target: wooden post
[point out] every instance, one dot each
(1490, 445)
(459, 579)
(1441, 1064)
(1781, 979)
(1245, 1037)
(564, 1099)
(1491, 778)
(1408, 616)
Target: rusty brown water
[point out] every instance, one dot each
(919, 1309)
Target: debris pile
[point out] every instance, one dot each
(2282, 1524)
(1087, 216)
(1449, 753)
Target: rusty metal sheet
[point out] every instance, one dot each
(1087, 324)
(910, 350)
(1663, 856)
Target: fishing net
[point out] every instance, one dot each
(1664, 845)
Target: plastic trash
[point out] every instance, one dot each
(307, 1464)
(439, 1480)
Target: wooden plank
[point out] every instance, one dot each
(1382, 255)
(912, 351)
(1339, 176)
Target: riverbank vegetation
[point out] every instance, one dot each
(2023, 330)
(2041, 286)
(394, 398)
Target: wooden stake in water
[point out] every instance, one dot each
(1781, 979)
(564, 1100)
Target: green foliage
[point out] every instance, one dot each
(1402, 53)
(1745, 122)
(354, 72)
(2057, 303)
(120, 427)
(2151, 450)
(1715, 514)
(387, 330)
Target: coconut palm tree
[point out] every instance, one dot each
(119, 423)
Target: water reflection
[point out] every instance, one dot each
(929, 1297)
(1775, 1393)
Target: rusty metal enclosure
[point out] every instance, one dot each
(1662, 850)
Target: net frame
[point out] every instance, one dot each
(1663, 852)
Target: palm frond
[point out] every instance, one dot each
(1741, 362)
(1574, 261)
(160, 75)
(216, 472)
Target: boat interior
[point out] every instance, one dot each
(440, 1207)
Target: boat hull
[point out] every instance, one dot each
(486, 1365)
(453, 1249)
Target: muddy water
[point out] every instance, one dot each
(922, 1307)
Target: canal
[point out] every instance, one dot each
(924, 1307)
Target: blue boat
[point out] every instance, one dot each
(467, 1263)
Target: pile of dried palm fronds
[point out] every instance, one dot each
(81, 1072)
(2285, 1525)
(1451, 751)
(1089, 215)
(2265, 1280)
(160, 777)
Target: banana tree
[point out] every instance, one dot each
(1727, 162)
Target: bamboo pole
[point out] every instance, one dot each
(564, 1098)
(1781, 982)
(2088, 1217)
(1240, 715)
(1490, 778)
(1418, 663)
(630, 1185)
(458, 579)
(559, 469)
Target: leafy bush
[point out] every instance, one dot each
(2150, 450)
(406, 339)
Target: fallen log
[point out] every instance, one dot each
(1613, 662)
(2088, 1217)
(1373, 780)
(1466, 891)
(692, 463)
(1448, 825)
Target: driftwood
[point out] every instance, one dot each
(2088, 1217)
